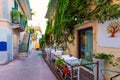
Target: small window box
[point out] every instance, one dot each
(15, 16)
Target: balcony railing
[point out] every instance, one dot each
(19, 20)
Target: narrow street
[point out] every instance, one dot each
(31, 68)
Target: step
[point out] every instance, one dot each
(23, 54)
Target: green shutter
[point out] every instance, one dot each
(15, 5)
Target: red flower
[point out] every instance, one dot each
(66, 70)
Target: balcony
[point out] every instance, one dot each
(19, 20)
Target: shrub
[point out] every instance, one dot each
(103, 56)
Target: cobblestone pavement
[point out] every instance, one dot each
(30, 68)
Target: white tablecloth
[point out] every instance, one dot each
(57, 52)
(71, 60)
(48, 50)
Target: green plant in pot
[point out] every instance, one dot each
(23, 19)
(101, 58)
(58, 62)
(62, 66)
(15, 15)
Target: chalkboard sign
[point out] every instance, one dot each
(3, 46)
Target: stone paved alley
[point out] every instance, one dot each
(31, 68)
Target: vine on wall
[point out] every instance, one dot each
(82, 10)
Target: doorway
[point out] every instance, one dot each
(85, 43)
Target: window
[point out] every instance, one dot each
(85, 47)
(15, 5)
(85, 43)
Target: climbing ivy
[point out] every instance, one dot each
(68, 10)
(42, 42)
(61, 30)
(49, 30)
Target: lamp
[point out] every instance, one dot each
(75, 18)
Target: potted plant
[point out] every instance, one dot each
(23, 19)
(101, 58)
(58, 62)
(15, 16)
(62, 66)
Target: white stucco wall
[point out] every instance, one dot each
(15, 43)
(103, 37)
(4, 33)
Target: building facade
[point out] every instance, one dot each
(11, 30)
(92, 37)
(35, 37)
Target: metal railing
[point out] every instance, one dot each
(18, 18)
(22, 47)
(51, 58)
(112, 71)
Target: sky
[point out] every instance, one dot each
(40, 8)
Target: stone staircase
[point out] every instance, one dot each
(23, 46)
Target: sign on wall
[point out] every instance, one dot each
(3, 46)
(113, 28)
(109, 34)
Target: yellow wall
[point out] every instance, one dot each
(73, 48)
(116, 1)
(115, 52)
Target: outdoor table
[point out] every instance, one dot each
(47, 50)
(70, 59)
(73, 61)
(56, 53)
